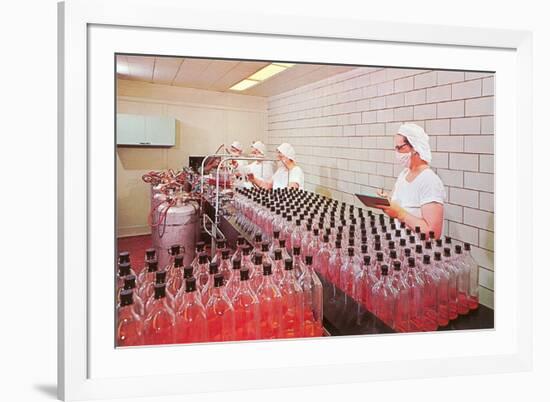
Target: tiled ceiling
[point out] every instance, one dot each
(219, 75)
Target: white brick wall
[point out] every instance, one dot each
(342, 128)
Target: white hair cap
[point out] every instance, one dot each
(260, 147)
(237, 145)
(418, 138)
(287, 150)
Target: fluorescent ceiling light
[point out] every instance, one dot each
(244, 84)
(261, 75)
(266, 72)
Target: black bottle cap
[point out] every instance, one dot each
(126, 297)
(237, 263)
(431, 234)
(316, 232)
(240, 240)
(447, 252)
(218, 280)
(439, 242)
(325, 239)
(412, 240)
(160, 290)
(282, 243)
(339, 237)
(402, 242)
(265, 246)
(428, 245)
(220, 244)
(379, 256)
(124, 257)
(351, 251)
(384, 270)
(408, 232)
(391, 245)
(388, 236)
(397, 233)
(213, 268)
(225, 254)
(296, 250)
(247, 250)
(363, 239)
(245, 274)
(423, 236)
(448, 240)
(258, 259)
(152, 265)
(160, 276)
(351, 241)
(150, 253)
(417, 229)
(377, 238)
(392, 226)
(364, 249)
(407, 252)
(377, 246)
(418, 249)
(309, 260)
(187, 272)
(203, 258)
(366, 259)
(129, 282)
(308, 227)
(426, 259)
(393, 254)
(190, 284)
(458, 249)
(412, 262)
(397, 265)
(267, 268)
(178, 261)
(276, 234)
(175, 249)
(200, 246)
(467, 246)
(124, 269)
(288, 264)
(437, 256)
(338, 244)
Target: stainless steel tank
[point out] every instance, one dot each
(181, 226)
(155, 201)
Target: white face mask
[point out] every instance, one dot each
(404, 159)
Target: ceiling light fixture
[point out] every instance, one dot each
(261, 75)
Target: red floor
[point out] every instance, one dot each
(136, 246)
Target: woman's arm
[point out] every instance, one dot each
(267, 184)
(431, 220)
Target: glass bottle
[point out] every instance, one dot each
(402, 302)
(463, 283)
(234, 280)
(292, 322)
(334, 265)
(270, 300)
(175, 282)
(160, 322)
(298, 265)
(247, 310)
(278, 266)
(431, 285)
(124, 269)
(348, 272)
(453, 282)
(199, 248)
(130, 284)
(473, 289)
(442, 291)
(313, 300)
(416, 300)
(239, 252)
(201, 272)
(220, 314)
(191, 317)
(323, 256)
(129, 325)
(208, 287)
(383, 297)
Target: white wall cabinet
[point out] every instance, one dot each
(139, 130)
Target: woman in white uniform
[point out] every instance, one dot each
(418, 195)
(236, 149)
(260, 169)
(288, 174)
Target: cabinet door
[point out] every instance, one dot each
(130, 129)
(160, 131)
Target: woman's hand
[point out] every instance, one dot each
(250, 177)
(393, 210)
(383, 194)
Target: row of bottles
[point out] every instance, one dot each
(411, 281)
(244, 296)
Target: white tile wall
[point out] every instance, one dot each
(343, 126)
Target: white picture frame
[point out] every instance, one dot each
(88, 371)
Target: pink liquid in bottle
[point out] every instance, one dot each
(293, 304)
(247, 310)
(220, 315)
(270, 300)
(191, 317)
(160, 322)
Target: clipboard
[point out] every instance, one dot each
(372, 201)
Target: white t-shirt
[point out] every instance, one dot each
(262, 170)
(426, 187)
(282, 177)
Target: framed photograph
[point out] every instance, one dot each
(298, 202)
